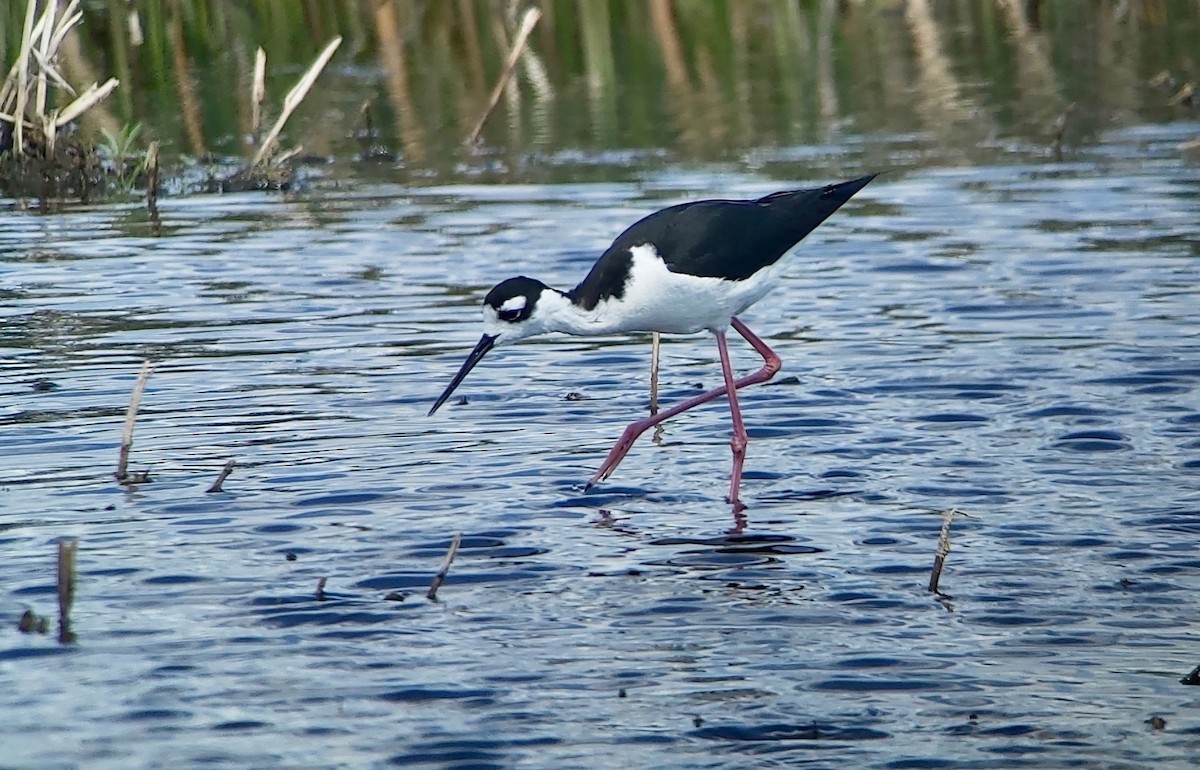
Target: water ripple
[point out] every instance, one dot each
(1017, 343)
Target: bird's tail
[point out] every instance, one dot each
(805, 209)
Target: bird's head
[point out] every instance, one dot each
(510, 313)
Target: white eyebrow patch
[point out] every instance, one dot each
(514, 303)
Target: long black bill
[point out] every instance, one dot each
(485, 344)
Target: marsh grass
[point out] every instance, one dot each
(40, 152)
(45, 154)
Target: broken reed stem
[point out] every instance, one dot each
(1060, 129)
(293, 100)
(152, 177)
(367, 135)
(224, 474)
(135, 401)
(655, 354)
(528, 21)
(445, 568)
(943, 550)
(66, 587)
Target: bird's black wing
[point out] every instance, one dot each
(716, 238)
(736, 239)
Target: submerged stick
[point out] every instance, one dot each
(224, 474)
(527, 24)
(943, 549)
(135, 401)
(66, 587)
(441, 573)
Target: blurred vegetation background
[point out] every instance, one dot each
(707, 79)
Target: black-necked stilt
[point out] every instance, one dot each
(681, 270)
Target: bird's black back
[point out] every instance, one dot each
(728, 239)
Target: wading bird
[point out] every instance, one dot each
(684, 269)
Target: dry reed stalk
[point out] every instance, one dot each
(1185, 95)
(943, 550)
(134, 22)
(152, 177)
(528, 21)
(39, 98)
(224, 474)
(445, 568)
(23, 79)
(66, 587)
(258, 91)
(35, 70)
(135, 401)
(293, 100)
(85, 101)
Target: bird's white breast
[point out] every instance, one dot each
(657, 299)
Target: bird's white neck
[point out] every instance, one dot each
(557, 313)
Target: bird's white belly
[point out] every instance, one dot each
(656, 299)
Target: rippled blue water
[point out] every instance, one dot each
(1020, 342)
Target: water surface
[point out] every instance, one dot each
(1016, 341)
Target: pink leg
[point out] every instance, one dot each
(771, 364)
(740, 438)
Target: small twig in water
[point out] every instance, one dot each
(321, 590)
(943, 550)
(527, 24)
(441, 573)
(224, 474)
(66, 587)
(135, 401)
